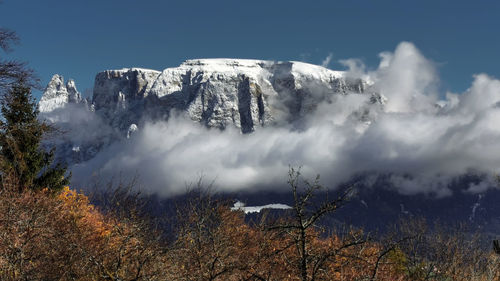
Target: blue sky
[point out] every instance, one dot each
(79, 38)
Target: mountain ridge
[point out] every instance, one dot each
(217, 92)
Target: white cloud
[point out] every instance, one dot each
(327, 60)
(407, 79)
(421, 145)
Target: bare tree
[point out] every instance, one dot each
(13, 71)
(303, 229)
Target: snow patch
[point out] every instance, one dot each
(240, 206)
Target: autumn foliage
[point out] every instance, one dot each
(64, 237)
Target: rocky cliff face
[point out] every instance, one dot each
(218, 93)
(119, 95)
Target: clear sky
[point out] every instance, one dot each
(79, 38)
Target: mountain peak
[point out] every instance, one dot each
(58, 94)
(55, 85)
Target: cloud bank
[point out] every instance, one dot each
(421, 138)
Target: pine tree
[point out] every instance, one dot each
(25, 164)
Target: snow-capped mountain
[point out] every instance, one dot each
(217, 93)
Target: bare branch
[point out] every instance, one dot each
(7, 38)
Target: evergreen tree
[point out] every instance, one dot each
(25, 164)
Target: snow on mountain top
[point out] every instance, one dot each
(55, 95)
(139, 69)
(250, 67)
(226, 64)
(58, 94)
(231, 67)
(315, 71)
(55, 81)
